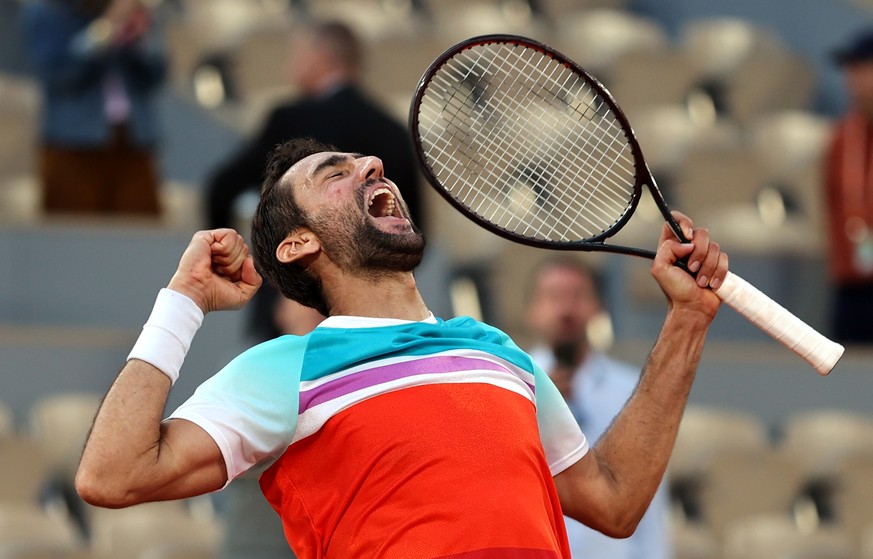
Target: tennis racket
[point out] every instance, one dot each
(527, 144)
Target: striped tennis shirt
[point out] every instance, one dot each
(383, 438)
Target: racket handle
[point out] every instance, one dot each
(779, 322)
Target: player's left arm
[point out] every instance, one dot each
(611, 487)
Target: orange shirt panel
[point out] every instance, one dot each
(382, 479)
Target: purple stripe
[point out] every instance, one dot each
(378, 375)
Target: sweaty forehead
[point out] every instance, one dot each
(307, 165)
(307, 168)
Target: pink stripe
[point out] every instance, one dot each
(379, 375)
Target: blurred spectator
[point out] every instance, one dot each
(99, 64)
(325, 64)
(326, 60)
(563, 299)
(849, 196)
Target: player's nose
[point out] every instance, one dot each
(370, 167)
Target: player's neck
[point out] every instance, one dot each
(393, 295)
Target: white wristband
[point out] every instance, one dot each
(167, 334)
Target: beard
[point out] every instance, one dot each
(354, 243)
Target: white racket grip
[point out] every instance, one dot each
(779, 322)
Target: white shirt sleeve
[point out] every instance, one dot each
(563, 440)
(249, 408)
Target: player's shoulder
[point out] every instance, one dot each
(472, 323)
(270, 354)
(484, 333)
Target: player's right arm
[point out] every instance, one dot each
(132, 457)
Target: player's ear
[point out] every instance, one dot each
(298, 244)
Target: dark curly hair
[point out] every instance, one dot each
(278, 215)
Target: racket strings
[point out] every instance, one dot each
(551, 221)
(526, 143)
(516, 129)
(555, 206)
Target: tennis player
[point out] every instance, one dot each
(385, 432)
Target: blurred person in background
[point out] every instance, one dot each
(325, 66)
(563, 299)
(100, 64)
(849, 197)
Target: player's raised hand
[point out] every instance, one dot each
(217, 271)
(704, 259)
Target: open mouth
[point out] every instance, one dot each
(382, 203)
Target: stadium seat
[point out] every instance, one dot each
(693, 541)
(820, 440)
(791, 145)
(204, 31)
(790, 142)
(770, 82)
(741, 484)
(19, 113)
(60, 424)
(38, 552)
(596, 39)
(718, 46)
(456, 20)
(182, 205)
(28, 532)
(394, 64)
(156, 530)
(20, 198)
(7, 421)
(180, 551)
(852, 502)
(26, 470)
(777, 537)
(258, 61)
(712, 179)
(746, 68)
(866, 547)
(555, 10)
(667, 133)
(705, 434)
(222, 22)
(372, 19)
(648, 78)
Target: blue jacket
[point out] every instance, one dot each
(71, 74)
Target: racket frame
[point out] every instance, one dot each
(642, 174)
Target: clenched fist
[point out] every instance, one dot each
(217, 271)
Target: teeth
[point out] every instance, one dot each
(379, 191)
(389, 205)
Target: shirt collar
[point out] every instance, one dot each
(344, 321)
